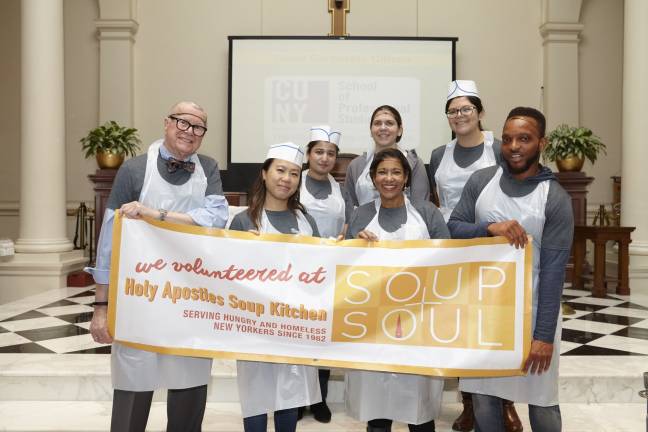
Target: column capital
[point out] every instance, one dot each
(561, 32)
(116, 29)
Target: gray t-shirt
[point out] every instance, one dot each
(418, 191)
(462, 156)
(390, 219)
(130, 179)
(284, 221)
(320, 189)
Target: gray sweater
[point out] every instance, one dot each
(390, 219)
(556, 240)
(284, 221)
(130, 179)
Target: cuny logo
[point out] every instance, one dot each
(299, 101)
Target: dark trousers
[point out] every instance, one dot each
(324, 375)
(385, 424)
(185, 410)
(284, 421)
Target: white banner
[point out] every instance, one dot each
(435, 307)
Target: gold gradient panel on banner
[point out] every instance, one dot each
(467, 305)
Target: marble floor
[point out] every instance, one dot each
(604, 345)
(225, 417)
(57, 322)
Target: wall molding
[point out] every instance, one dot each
(12, 208)
(116, 29)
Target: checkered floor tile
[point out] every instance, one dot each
(58, 327)
(614, 325)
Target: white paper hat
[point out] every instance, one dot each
(286, 151)
(462, 88)
(324, 133)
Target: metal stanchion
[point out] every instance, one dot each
(83, 232)
(91, 245)
(644, 394)
(80, 229)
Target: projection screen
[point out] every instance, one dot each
(281, 86)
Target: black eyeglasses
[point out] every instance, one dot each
(184, 125)
(465, 110)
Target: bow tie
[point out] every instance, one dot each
(174, 164)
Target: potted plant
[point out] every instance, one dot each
(570, 146)
(110, 143)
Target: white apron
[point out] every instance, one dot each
(494, 205)
(450, 178)
(268, 387)
(412, 399)
(137, 370)
(328, 213)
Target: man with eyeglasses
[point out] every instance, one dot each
(171, 182)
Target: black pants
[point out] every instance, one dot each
(324, 375)
(185, 410)
(386, 424)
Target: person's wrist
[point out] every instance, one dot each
(99, 304)
(163, 214)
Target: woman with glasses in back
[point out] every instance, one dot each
(450, 167)
(472, 149)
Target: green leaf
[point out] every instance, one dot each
(565, 141)
(111, 137)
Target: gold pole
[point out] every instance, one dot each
(338, 10)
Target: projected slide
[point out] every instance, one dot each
(279, 88)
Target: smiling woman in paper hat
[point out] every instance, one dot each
(472, 149)
(322, 197)
(450, 167)
(274, 207)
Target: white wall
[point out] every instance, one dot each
(180, 52)
(601, 69)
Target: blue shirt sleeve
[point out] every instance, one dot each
(214, 213)
(101, 271)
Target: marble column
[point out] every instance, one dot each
(116, 29)
(44, 254)
(42, 161)
(634, 205)
(560, 32)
